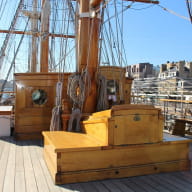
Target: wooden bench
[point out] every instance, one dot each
(179, 128)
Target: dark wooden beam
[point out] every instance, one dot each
(37, 34)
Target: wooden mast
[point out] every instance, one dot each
(34, 28)
(88, 37)
(44, 36)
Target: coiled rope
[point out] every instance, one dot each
(78, 88)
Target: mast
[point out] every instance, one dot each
(88, 37)
(44, 36)
(34, 29)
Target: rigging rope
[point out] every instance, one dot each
(12, 26)
(15, 55)
(188, 2)
(57, 110)
(174, 13)
(2, 8)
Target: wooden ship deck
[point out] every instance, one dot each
(23, 169)
(124, 141)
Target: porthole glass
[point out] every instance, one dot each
(39, 96)
(112, 87)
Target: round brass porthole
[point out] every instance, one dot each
(39, 96)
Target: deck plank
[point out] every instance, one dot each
(111, 186)
(173, 182)
(121, 185)
(3, 162)
(168, 184)
(88, 186)
(184, 175)
(132, 185)
(30, 180)
(20, 185)
(100, 187)
(142, 184)
(52, 187)
(1, 147)
(39, 175)
(10, 170)
(65, 188)
(153, 184)
(77, 187)
(179, 182)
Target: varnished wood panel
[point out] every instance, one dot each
(33, 129)
(130, 130)
(30, 118)
(118, 74)
(28, 136)
(91, 175)
(126, 124)
(68, 141)
(85, 160)
(98, 129)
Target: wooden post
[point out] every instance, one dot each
(88, 37)
(34, 29)
(44, 36)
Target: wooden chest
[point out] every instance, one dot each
(126, 124)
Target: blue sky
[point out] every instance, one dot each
(157, 36)
(150, 33)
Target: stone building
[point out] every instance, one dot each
(175, 77)
(140, 70)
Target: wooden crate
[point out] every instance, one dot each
(126, 124)
(74, 157)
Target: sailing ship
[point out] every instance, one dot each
(90, 129)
